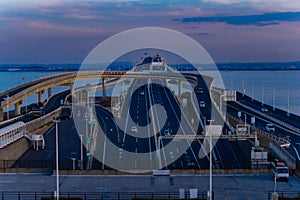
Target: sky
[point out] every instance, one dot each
(65, 31)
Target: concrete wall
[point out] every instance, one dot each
(13, 152)
(173, 172)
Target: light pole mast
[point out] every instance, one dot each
(288, 106)
(274, 98)
(81, 152)
(262, 95)
(57, 168)
(210, 159)
(252, 91)
(7, 116)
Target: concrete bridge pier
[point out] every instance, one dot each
(40, 96)
(71, 87)
(49, 92)
(179, 87)
(1, 114)
(103, 87)
(18, 107)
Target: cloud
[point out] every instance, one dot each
(266, 5)
(265, 19)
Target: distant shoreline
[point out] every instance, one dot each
(126, 66)
(75, 70)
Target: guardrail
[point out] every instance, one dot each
(39, 122)
(284, 154)
(274, 120)
(275, 140)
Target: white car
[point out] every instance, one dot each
(134, 129)
(264, 109)
(202, 104)
(280, 171)
(200, 90)
(270, 128)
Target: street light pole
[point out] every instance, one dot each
(57, 173)
(288, 106)
(7, 117)
(243, 89)
(26, 103)
(274, 98)
(245, 119)
(262, 95)
(81, 152)
(252, 91)
(210, 160)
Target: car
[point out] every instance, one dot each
(200, 90)
(280, 170)
(264, 109)
(142, 92)
(167, 132)
(134, 129)
(270, 127)
(202, 104)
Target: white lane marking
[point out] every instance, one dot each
(103, 157)
(184, 131)
(135, 150)
(296, 152)
(147, 114)
(136, 140)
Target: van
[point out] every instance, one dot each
(280, 171)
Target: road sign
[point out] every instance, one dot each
(88, 140)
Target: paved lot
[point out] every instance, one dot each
(234, 186)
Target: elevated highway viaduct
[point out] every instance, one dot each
(15, 96)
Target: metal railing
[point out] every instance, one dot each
(287, 194)
(99, 195)
(293, 129)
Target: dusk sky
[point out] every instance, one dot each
(65, 31)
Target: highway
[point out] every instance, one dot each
(226, 154)
(154, 112)
(260, 123)
(277, 114)
(52, 104)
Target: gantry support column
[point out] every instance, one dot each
(1, 114)
(103, 87)
(179, 87)
(49, 92)
(40, 96)
(18, 107)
